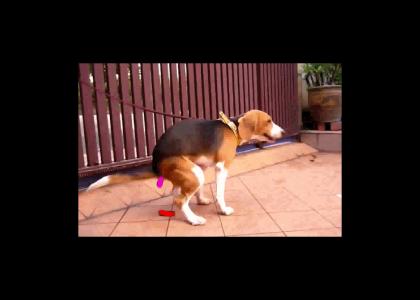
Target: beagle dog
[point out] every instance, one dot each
(186, 149)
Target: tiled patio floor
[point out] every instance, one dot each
(289, 190)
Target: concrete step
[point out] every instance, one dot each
(329, 141)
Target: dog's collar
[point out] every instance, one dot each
(231, 125)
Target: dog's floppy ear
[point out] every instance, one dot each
(247, 125)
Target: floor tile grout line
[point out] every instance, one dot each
(167, 227)
(81, 213)
(267, 166)
(148, 220)
(317, 228)
(84, 222)
(110, 212)
(170, 218)
(209, 183)
(261, 205)
(317, 212)
(91, 214)
(122, 216)
(99, 223)
(217, 212)
(142, 221)
(126, 207)
(249, 234)
(312, 229)
(328, 220)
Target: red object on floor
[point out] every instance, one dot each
(166, 213)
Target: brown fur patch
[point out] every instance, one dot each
(227, 151)
(197, 159)
(178, 170)
(254, 122)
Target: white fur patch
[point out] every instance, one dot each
(185, 208)
(276, 131)
(190, 216)
(220, 165)
(221, 175)
(199, 174)
(101, 182)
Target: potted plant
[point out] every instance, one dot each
(324, 91)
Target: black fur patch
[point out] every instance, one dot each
(189, 137)
(236, 120)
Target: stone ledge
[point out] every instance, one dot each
(321, 131)
(329, 141)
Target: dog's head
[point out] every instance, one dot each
(258, 125)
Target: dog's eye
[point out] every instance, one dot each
(269, 121)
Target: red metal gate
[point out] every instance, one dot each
(113, 135)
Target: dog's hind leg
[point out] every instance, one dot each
(190, 178)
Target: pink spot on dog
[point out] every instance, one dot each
(160, 182)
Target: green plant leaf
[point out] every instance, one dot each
(331, 72)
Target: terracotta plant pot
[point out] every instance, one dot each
(325, 103)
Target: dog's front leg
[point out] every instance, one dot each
(221, 175)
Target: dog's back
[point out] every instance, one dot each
(189, 137)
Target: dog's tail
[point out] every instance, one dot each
(119, 178)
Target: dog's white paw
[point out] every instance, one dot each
(227, 211)
(197, 220)
(203, 200)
